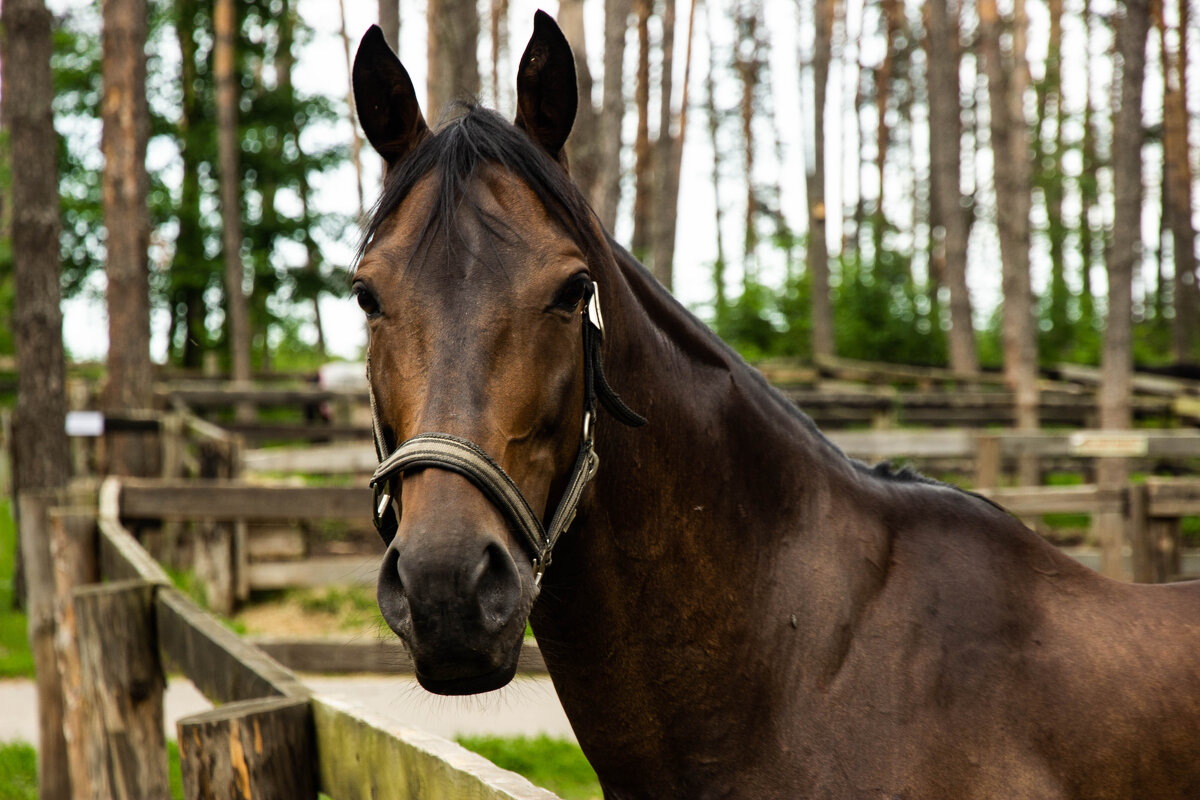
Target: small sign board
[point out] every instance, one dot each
(85, 423)
(1109, 444)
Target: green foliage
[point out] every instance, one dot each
(16, 659)
(282, 234)
(554, 764)
(18, 771)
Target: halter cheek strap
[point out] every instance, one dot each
(445, 451)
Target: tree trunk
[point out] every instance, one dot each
(1010, 153)
(1047, 159)
(748, 63)
(126, 128)
(670, 147)
(643, 167)
(606, 192)
(945, 164)
(389, 22)
(453, 64)
(41, 457)
(224, 29)
(1116, 362)
(189, 269)
(356, 141)
(1177, 188)
(720, 300)
(499, 36)
(818, 248)
(583, 146)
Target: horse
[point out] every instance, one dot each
(728, 606)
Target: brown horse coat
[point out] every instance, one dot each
(739, 609)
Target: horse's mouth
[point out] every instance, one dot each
(440, 680)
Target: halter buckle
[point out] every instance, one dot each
(593, 309)
(589, 430)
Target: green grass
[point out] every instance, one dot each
(16, 660)
(554, 764)
(18, 771)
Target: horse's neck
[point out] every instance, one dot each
(698, 536)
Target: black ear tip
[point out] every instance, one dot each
(544, 23)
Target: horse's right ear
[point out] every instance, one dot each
(386, 102)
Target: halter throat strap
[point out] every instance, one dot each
(449, 452)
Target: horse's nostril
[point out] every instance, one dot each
(497, 588)
(390, 593)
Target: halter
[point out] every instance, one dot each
(445, 451)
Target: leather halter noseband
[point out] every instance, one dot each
(445, 451)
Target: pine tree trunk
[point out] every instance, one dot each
(1116, 359)
(1177, 188)
(498, 19)
(126, 127)
(945, 164)
(356, 141)
(748, 64)
(583, 146)
(606, 194)
(669, 146)
(389, 22)
(41, 457)
(1010, 153)
(720, 300)
(453, 64)
(643, 167)
(237, 327)
(817, 256)
(189, 277)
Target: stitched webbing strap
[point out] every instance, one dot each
(445, 451)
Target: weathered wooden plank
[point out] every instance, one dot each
(226, 500)
(355, 570)
(224, 667)
(1036, 500)
(408, 763)
(216, 394)
(329, 459)
(121, 556)
(267, 542)
(32, 516)
(73, 549)
(251, 749)
(257, 432)
(1173, 497)
(903, 444)
(356, 656)
(123, 684)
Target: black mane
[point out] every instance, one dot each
(476, 137)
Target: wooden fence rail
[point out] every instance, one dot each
(270, 736)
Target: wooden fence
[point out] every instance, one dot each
(107, 626)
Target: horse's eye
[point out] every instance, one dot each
(366, 299)
(571, 293)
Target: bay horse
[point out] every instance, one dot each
(738, 610)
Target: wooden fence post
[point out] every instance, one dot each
(33, 508)
(251, 749)
(987, 461)
(123, 684)
(73, 547)
(1141, 546)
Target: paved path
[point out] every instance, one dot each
(527, 706)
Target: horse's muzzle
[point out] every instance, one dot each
(462, 618)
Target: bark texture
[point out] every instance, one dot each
(237, 323)
(1007, 79)
(817, 255)
(40, 453)
(945, 160)
(126, 127)
(453, 63)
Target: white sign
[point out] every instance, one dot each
(85, 423)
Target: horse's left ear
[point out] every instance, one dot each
(547, 96)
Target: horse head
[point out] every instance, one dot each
(476, 276)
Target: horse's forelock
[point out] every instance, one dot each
(465, 142)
